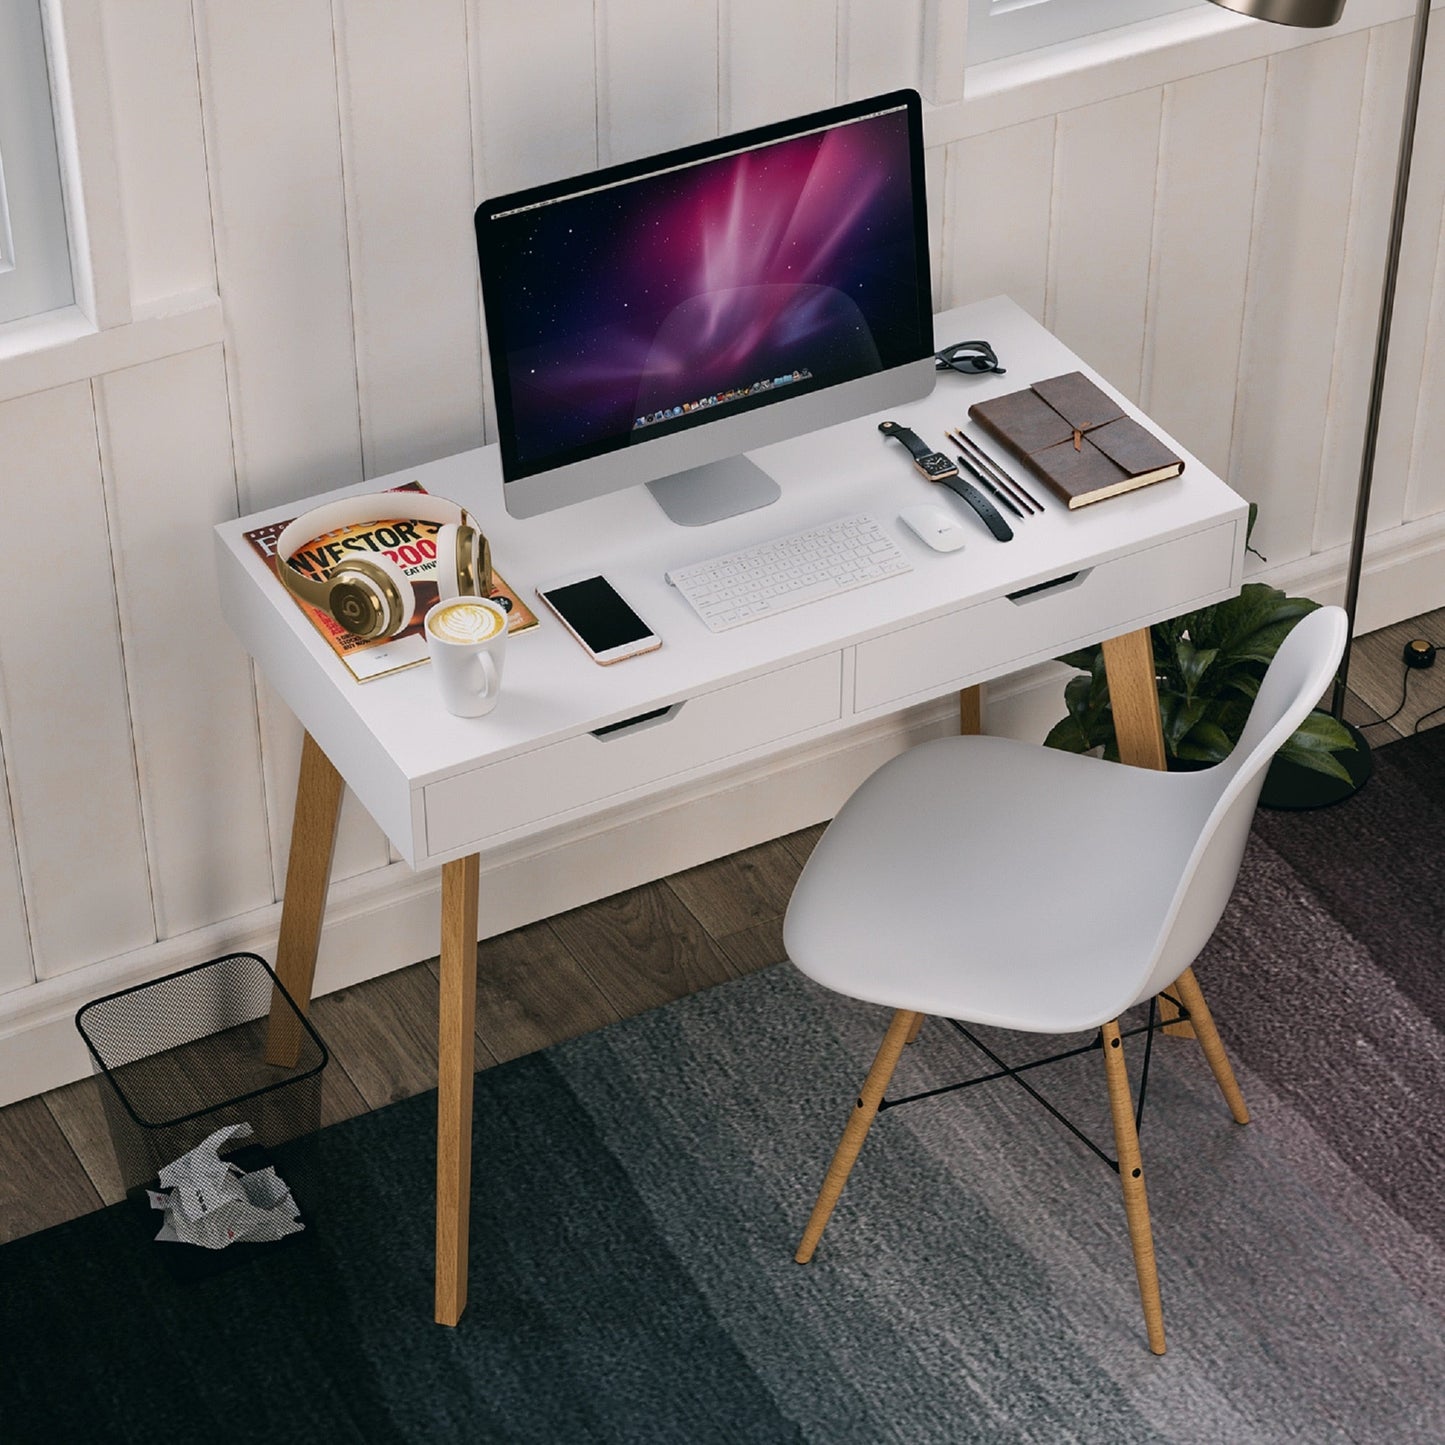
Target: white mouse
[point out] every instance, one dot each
(938, 529)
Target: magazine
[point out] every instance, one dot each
(408, 544)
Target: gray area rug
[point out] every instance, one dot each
(638, 1194)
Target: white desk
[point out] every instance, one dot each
(444, 788)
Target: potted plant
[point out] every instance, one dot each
(1209, 665)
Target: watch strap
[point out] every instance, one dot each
(988, 514)
(915, 443)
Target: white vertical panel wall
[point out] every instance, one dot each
(284, 274)
(1308, 152)
(771, 50)
(151, 53)
(1103, 232)
(1209, 144)
(165, 446)
(1408, 480)
(534, 95)
(996, 229)
(879, 47)
(407, 158)
(16, 966)
(657, 71)
(69, 753)
(1211, 242)
(1426, 497)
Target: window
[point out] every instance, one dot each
(997, 28)
(35, 272)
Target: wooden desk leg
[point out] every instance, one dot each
(457, 1020)
(308, 871)
(1129, 664)
(970, 711)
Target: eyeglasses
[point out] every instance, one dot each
(969, 357)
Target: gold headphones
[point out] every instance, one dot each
(368, 593)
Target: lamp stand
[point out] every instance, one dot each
(1287, 785)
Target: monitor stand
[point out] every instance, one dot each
(699, 495)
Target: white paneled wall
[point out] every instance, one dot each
(1205, 224)
(1208, 151)
(69, 749)
(1105, 183)
(1312, 105)
(406, 155)
(165, 449)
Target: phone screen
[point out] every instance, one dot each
(597, 614)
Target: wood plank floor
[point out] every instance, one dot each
(567, 975)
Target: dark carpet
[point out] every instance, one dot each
(638, 1194)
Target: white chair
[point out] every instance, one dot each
(993, 882)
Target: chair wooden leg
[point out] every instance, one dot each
(1131, 1177)
(1180, 1027)
(1209, 1041)
(859, 1123)
(917, 1024)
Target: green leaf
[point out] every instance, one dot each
(1316, 760)
(1068, 737)
(1316, 743)
(1206, 743)
(1078, 694)
(1178, 717)
(1193, 663)
(1083, 659)
(1320, 730)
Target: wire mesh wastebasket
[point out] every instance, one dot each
(185, 1055)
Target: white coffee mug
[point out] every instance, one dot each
(467, 638)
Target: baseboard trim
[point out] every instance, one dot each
(1402, 575)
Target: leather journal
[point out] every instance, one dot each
(1077, 439)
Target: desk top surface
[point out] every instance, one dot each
(551, 689)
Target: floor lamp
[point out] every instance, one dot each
(1290, 786)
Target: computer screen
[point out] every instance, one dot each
(652, 318)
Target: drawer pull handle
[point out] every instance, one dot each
(1054, 584)
(636, 724)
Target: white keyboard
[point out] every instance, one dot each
(786, 572)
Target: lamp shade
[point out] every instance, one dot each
(1312, 13)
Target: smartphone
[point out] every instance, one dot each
(593, 611)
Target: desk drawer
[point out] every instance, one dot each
(1108, 599)
(543, 785)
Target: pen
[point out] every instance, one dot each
(995, 492)
(988, 484)
(980, 459)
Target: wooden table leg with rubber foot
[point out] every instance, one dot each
(303, 905)
(457, 1021)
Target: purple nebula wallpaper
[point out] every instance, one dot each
(646, 306)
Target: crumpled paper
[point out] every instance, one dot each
(211, 1202)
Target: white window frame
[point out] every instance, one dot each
(35, 262)
(998, 29)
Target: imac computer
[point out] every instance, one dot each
(652, 321)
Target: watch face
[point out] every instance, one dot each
(935, 465)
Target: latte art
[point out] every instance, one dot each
(466, 621)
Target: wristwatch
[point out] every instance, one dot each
(937, 468)
(934, 465)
